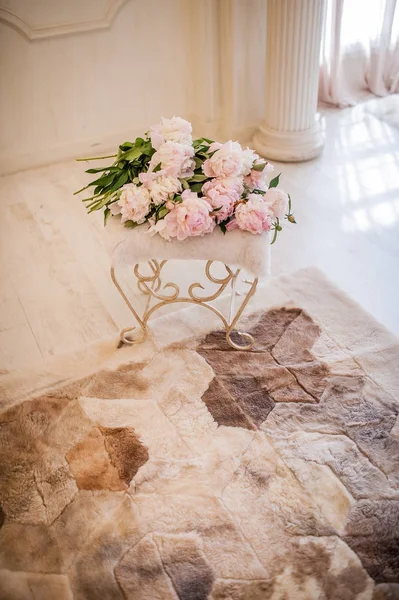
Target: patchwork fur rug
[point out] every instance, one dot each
(190, 471)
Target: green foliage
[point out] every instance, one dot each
(185, 184)
(131, 155)
(131, 224)
(162, 213)
(198, 178)
(107, 212)
(274, 182)
(132, 159)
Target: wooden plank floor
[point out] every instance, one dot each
(56, 294)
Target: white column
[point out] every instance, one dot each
(291, 130)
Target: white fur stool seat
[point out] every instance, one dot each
(236, 250)
(240, 248)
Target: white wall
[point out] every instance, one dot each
(77, 79)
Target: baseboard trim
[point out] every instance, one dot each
(13, 163)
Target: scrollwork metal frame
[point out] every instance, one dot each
(151, 286)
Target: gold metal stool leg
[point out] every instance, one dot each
(150, 285)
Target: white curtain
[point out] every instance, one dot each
(360, 50)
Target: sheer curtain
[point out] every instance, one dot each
(360, 50)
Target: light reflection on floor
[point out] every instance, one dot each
(347, 204)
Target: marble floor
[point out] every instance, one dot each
(56, 294)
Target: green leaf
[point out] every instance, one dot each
(91, 171)
(100, 183)
(119, 182)
(126, 146)
(162, 212)
(147, 149)
(274, 236)
(131, 224)
(139, 141)
(107, 212)
(177, 199)
(105, 180)
(259, 166)
(198, 162)
(157, 168)
(262, 192)
(223, 227)
(185, 184)
(131, 155)
(199, 177)
(196, 187)
(274, 182)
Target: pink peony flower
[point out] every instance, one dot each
(232, 225)
(223, 204)
(258, 179)
(215, 146)
(188, 218)
(173, 130)
(175, 159)
(254, 215)
(227, 186)
(134, 203)
(277, 201)
(222, 193)
(226, 162)
(160, 185)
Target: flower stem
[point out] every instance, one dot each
(95, 158)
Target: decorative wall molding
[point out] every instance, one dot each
(20, 22)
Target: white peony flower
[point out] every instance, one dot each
(173, 130)
(160, 185)
(225, 162)
(175, 159)
(277, 201)
(248, 158)
(134, 203)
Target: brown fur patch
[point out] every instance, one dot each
(91, 465)
(126, 451)
(223, 408)
(280, 369)
(125, 382)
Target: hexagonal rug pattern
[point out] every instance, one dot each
(203, 472)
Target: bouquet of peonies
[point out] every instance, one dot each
(185, 188)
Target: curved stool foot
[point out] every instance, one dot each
(242, 334)
(130, 341)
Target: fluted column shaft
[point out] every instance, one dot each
(290, 130)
